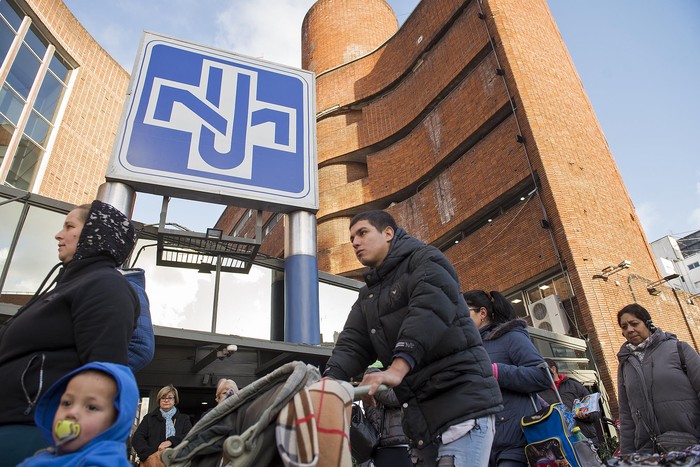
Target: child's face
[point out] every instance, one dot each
(88, 401)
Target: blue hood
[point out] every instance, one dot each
(125, 402)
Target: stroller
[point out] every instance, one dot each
(290, 417)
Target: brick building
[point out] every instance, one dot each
(61, 102)
(469, 124)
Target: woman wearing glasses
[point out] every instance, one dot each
(163, 428)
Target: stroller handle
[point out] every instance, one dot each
(364, 390)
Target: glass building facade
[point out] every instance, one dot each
(34, 82)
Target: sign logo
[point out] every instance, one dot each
(208, 121)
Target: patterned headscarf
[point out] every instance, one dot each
(106, 232)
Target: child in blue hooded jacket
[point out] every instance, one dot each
(87, 416)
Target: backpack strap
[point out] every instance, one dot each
(684, 367)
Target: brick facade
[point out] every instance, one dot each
(467, 105)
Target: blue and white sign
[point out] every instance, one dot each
(209, 125)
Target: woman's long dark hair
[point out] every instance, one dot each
(499, 310)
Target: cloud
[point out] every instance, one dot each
(694, 218)
(244, 30)
(649, 216)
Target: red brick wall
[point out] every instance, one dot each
(424, 127)
(339, 31)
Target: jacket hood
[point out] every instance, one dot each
(106, 232)
(402, 245)
(497, 330)
(125, 402)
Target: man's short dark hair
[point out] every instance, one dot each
(380, 220)
(551, 363)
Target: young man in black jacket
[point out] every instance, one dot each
(412, 317)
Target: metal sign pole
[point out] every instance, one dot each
(119, 195)
(301, 323)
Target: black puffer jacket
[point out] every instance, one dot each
(89, 316)
(412, 304)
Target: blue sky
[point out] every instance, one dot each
(639, 61)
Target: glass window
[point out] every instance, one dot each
(25, 165)
(534, 294)
(546, 289)
(6, 130)
(9, 213)
(23, 71)
(48, 97)
(35, 42)
(36, 251)
(10, 104)
(334, 305)
(37, 128)
(561, 286)
(10, 14)
(7, 35)
(518, 302)
(59, 67)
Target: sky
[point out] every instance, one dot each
(638, 60)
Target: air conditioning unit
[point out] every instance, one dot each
(549, 314)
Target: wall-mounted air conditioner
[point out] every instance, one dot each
(549, 314)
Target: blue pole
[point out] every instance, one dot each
(302, 322)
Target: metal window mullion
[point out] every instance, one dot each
(14, 48)
(62, 105)
(26, 113)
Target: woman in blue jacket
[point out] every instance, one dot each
(518, 367)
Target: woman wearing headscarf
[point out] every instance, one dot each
(165, 427)
(659, 386)
(86, 314)
(518, 367)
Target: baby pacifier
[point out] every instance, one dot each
(65, 431)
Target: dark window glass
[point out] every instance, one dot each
(37, 129)
(48, 97)
(6, 38)
(36, 42)
(25, 165)
(516, 300)
(59, 66)
(11, 15)
(562, 287)
(23, 71)
(6, 130)
(10, 104)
